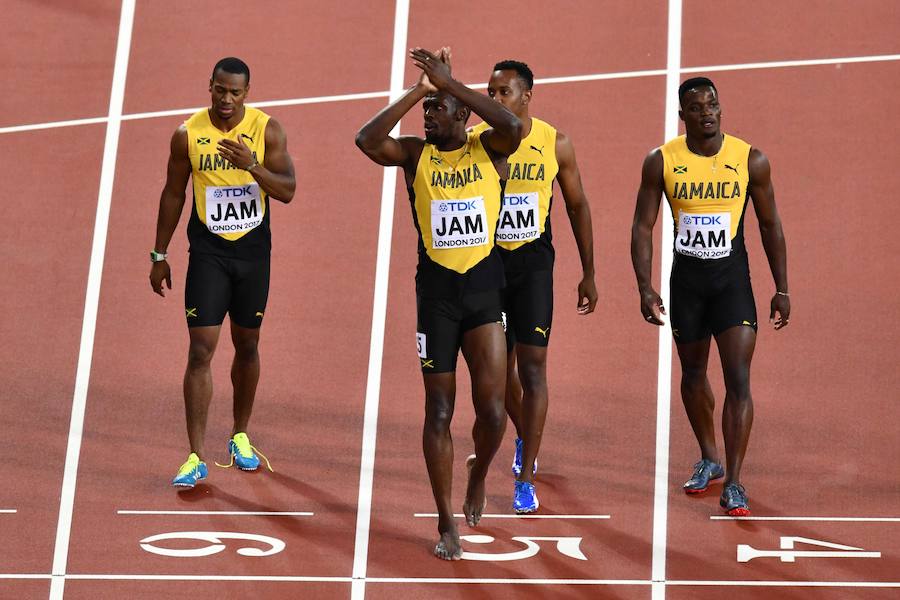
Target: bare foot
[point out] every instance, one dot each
(448, 547)
(476, 500)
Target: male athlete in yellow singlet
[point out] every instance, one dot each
(525, 241)
(708, 178)
(455, 182)
(237, 159)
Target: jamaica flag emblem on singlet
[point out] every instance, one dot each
(202, 141)
(680, 169)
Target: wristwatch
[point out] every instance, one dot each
(157, 256)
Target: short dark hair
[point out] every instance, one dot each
(692, 83)
(232, 65)
(520, 68)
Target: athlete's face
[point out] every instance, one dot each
(228, 90)
(443, 117)
(701, 113)
(507, 88)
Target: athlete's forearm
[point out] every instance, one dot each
(279, 186)
(776, 251)
(501, 119)
(580, 219)
(379, 127)
(170, 207)
(642, 255)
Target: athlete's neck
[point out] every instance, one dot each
(228, 124)
(454, 142)
(705, 146)
(526, 123)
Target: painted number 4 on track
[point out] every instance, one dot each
(788, 553)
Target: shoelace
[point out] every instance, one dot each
(187, 467)
(244, 453)
(734, 494)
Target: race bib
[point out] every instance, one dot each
(519, 218)
(702, 235)
(233, 208)
(458, 223)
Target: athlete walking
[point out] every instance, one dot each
(525, 241)
(708, 177)
(455, 182)
(237, 159)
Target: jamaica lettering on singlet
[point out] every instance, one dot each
(456, 204)
(708, 196)
(230, 213)
(525, 214)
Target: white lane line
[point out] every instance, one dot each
(454, 581)
(505, 516)
(664, 364)
(91, 301)
(541, 81)
(822, 519)
(379, 315)
(234, 513)
(780, 64)
(7, 511)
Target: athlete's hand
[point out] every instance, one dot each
(160, 272)
(435, 72)
(780, 304)
(237, 153)
(587, 296)
(652, 307)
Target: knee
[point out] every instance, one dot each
(200, 355)
(533, 375)
(438, 415)
(246, 349)
(693, 378)
(493, 416)
(737, 385)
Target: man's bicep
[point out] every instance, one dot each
(650, 191)
(178, 169)
(568, 177)
(761, 190)
(277, 159)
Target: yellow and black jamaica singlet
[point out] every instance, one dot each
(230, 215)
(524, 225)
(708, 196)
(455, 201)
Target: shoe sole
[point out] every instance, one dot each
(247, 468)
(738, 512)
(525, 511)
(188, 485)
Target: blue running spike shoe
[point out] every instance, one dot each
(704, 472)
(734, 500)
(517, 460)
(191, 472)
(242, 452)
(525, 499)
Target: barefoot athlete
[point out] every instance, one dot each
(237, 159)
(525, 245)
(455, 181)
(708, 177)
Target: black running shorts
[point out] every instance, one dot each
(528, 304)
(707, 299)
(441, 323)
(217, 285)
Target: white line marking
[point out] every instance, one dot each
(664, 366)
(824, 519)
(237, 513)
(543, 81)
(7, 511)
(505, 516)
(452, 581)
(379, 314)
(91, 300)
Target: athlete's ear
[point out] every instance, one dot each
(681, 114)
(210, 84)
(526, 97)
